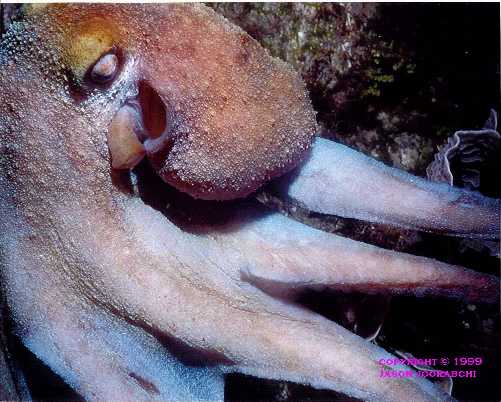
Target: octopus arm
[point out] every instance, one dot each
(155, 281)
(340, 181)
(305, 348)
(283, 256)
(266, 336)
(98, 351)
(102, 356)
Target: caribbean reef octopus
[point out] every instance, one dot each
(117, 124)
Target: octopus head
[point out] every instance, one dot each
(214, 113)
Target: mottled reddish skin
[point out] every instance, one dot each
(105, 289)
(214, 80)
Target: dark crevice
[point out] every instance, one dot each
(190, 214)
(148, 386)
(153, 110)
(43, 383)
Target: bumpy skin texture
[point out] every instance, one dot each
(236, 117)
(209, 70)
(128, 299)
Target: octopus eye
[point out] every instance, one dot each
(105, 69)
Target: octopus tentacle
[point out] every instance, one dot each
(275, 339)
(289, 343)
(301, 257)
(97, 351)
(340, 181)
(280, 255)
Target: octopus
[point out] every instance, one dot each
(136, 263)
